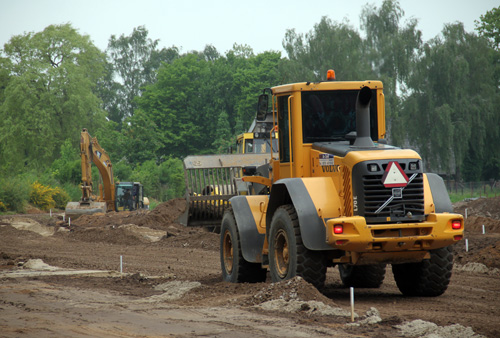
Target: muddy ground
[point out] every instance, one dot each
(58, 280)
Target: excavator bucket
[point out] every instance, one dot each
(211, 180)
(76, 209)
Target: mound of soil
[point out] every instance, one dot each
(163, 215)
(482, 207)
(114, 227)
(482, 248)
(294, 289)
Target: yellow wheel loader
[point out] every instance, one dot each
(257, 139)
(338, 194)
(211, 180)
(122, 196)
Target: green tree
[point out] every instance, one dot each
(172, 109)
(49, 95)
(172, 178)
(135, 60)
(224, 139)
(391, 49)
(255, 74)
(67, 168)
(329, 45)
(452, 104)
(489, 26)
(141, 138)
(180, 112)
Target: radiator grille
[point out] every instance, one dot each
(380, 204)
(408, 208)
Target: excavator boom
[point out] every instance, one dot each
(92, 152)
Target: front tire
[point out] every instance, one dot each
(362, 276)
(429, 278)
(235, 268)
(288, 256)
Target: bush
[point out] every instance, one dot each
(61, 198)
(45, 197)
(14, 193)
(68, 167)
(74, 191)
(41, 196)
(161, 182)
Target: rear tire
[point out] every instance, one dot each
(288, 256)
(235, 268)
(429, 278)
(362, 276)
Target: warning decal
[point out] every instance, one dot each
(325, 159)
(394, 176)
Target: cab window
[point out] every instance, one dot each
(248, 146)
(283, 135)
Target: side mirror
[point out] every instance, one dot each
(249, 170)
(262, 107)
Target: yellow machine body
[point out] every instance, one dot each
(325, 182)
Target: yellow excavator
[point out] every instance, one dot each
(122, 196)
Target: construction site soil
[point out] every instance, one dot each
(138, 274)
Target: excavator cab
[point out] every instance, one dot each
(130, 196)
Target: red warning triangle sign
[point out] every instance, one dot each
(394, 176)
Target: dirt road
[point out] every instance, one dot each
(171, 285)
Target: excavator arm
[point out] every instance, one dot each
(92, 152)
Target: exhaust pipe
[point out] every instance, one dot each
(363, 138)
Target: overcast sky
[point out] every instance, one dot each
(191, 25)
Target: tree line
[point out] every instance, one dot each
(149, 106)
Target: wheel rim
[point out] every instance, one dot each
(227, 251)
(281, 253)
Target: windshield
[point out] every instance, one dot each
(260, 146)
(121, 190)
(331, 115)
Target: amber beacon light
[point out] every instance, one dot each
(330, 75)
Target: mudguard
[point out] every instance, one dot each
(440, 195)
(311, 198)
(251, 241)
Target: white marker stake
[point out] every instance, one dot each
(466, 245)
(352, 304)
(121, 264)
(69, 221)
(465, 213)
(484, 230)
(50, 212)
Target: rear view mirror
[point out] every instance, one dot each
(262, 107)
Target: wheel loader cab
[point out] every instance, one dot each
(323, 112)
(256, 143)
